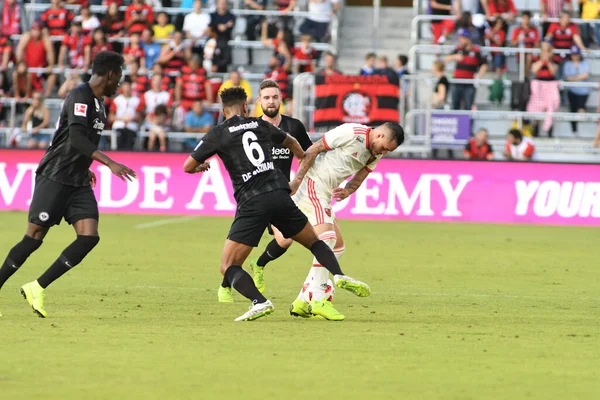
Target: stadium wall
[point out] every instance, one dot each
(416, 190)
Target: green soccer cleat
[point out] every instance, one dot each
(258, 275)
(299, 308)
(325, 309)
(34, 294)
(357, 287)
(224, 295)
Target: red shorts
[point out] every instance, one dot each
(440, 28)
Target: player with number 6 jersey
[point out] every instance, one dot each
(263, 197)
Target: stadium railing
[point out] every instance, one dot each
(447, 49)
(412, 83)
(548, 149)
(415, 28)
(334, 26)
(418, 120)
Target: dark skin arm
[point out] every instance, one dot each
(291, 143)
(352, 186)
(307, 162)
(120, 170)
(191, 166)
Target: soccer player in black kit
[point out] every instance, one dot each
(63, 183)
(263, 197)
(270, 101)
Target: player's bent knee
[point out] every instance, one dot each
(329, 238)
(284, 243)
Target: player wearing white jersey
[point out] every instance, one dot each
(348, 150)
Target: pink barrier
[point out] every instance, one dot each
(562, 194)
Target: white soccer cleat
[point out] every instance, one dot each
(257, 311)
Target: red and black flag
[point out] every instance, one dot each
(369, 100)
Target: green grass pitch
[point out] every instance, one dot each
(458, 311)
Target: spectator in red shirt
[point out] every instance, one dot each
(527, 36)
(57, 19)
(139, 83)
(72, 48)
(278, 74)
(172, 55)
(468, 60)
(95, 44)
(37, 51)
(478, 148)
(167, 81)
(134, 51)
(22, 89)
(192, 85)
(11, 18)
(496, 36)
(6, 53)
(504, 9)
(441, 29)
(138, 17)
(552, 9)
(563, 35)
(114, 25)
(305, 55)
(329, 61)
(518, 148)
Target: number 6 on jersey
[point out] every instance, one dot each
(251, 146)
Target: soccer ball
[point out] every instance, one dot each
(307, 294)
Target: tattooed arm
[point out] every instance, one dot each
(341, 193)
(307, 162)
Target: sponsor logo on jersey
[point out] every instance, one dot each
(98, 125)
(80, 109)
(250, 125)
(277, 152)
(356, 106)
(44, 216)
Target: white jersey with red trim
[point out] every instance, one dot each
(524, 149)
(348, 152)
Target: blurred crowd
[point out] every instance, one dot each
(498, 23)
(176, 62)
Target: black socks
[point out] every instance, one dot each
(69, 258)
(272, 252)
(17, 257)
(241, 281)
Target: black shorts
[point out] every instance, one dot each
(276, 208)
(53, 201)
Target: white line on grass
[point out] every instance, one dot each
(165, 222)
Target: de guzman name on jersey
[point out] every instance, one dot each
(250, 148)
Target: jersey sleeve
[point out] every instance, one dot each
(207, 147)
(77, 109)
(302, 136)
(277, 135)
(338, 137)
